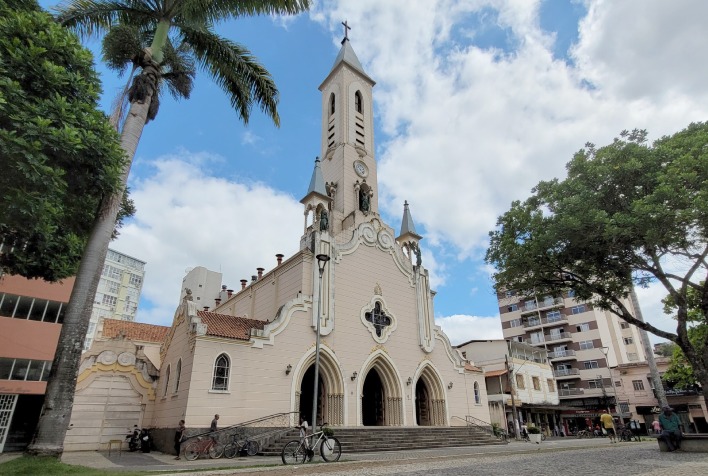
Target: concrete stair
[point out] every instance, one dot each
(374, 439)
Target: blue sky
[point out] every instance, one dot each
(475, 102)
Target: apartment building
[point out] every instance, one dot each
(31, 315)
(584, 344)
(118, 291)
(516, 375)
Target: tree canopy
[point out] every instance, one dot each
(60, 155)
(627, 214)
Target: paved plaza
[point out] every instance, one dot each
(561, 456)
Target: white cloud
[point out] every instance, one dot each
(187, 218)
(462, 328)
(469, 129)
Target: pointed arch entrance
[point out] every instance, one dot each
(330, 390)
(429, 399)
(381, 402)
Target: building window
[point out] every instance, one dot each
(515, 323)
(509, 294)
(111, 272)
(638, 385)
(167, 379)
(109, 286)
(553, 316)
(534, 321)
(331, 104)
(530, 305)
(578, 309)
(586, 344)
(477, 399)
(358, 102)
(628, 340)
(179, 374)
(585, 326)
(591, 364)
(221, 373)
(520, 382)
(135, 279)
(551, 385)
(109, 301)
(571, 293)
(512, 308)
(536, 383)
(595, 383)
(624, 325)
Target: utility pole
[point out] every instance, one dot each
(514, 415)
(649, 352)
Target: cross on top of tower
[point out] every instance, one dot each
(346, 30)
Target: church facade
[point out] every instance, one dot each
(382, 359)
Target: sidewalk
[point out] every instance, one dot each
(156, 461)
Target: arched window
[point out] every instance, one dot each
(476, 394)
(221, 373)
(358, 102)
(179, 374)
(167, 379)
(331, 104)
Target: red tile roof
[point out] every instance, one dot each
(472, 368)
(495, 373)
(233, 327)
(134, 330)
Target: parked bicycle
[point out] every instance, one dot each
(302, 450)
(203, 446)
(241, 443)
(625, 434)
(584, 434)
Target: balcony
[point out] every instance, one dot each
(562, 355)
(544, 321)
(570, 392)
(548, 338)
(566, 373)
(541, 306)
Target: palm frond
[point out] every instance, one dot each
(213, 11)
(178, 70)
(91, 18)
(121, 45)
(236, 71)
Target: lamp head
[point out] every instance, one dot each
(322, 260)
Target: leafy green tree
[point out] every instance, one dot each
(666, 349)
(680, 372)
(60, 155)
(180, 36)
(628, 214)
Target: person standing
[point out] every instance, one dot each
(670, 429)
(609, 425)
(179, 436)
(214, 423)
(656, 426)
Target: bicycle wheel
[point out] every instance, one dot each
(543, 437)
(216, 451)
(293, 453)
(191, 451)
(231, 450)
(252, 448)
(330, 449)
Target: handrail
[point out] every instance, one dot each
(261, 422)
(471, 421)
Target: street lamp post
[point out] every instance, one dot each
(618, 407)
(321, 262)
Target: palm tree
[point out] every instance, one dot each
(180, 34)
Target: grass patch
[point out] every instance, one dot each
(47, 465)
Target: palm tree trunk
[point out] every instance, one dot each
(59, 397)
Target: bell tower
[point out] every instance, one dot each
(348, 164)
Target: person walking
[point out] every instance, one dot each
(608, 424)
(214, 423)
(179, 436)
(670, 429)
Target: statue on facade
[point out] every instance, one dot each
(364, 201)
(418, 259)
(324, 220)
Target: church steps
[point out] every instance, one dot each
(364, 440)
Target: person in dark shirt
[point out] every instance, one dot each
(179, 435)
(670, 428)
(213, 422)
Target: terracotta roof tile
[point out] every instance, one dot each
(134, 330)
(472, 368)
(233, 327)
(495, 373)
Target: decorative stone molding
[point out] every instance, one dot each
(378, 319)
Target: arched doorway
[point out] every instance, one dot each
(306, 397)
(372, 400)
(422, 404)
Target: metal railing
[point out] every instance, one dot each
(566, 392)
(473, 422)
(565, 372)
(561, 353)
(260, 429)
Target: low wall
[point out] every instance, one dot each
(691, 443)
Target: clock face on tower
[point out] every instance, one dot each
(361, 169)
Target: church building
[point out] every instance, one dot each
(382, 360)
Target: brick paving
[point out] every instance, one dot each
(567, 456)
